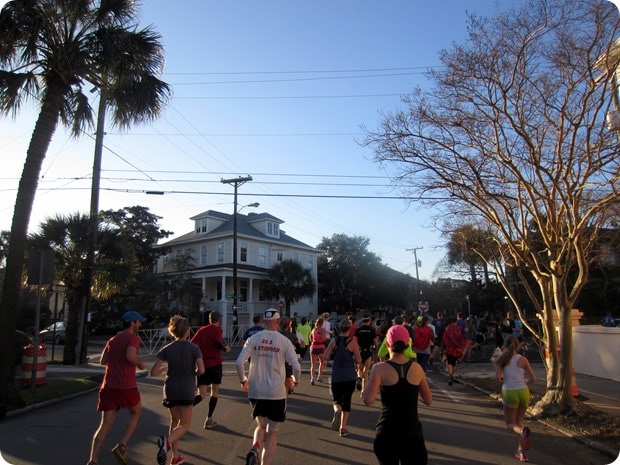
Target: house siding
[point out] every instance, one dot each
(215, 278)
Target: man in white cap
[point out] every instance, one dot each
(269, 350)
(119, 388)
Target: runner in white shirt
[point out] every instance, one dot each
(265, 383)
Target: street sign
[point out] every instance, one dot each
(230, 296)
(423, 306)
(57, 300)
(237, 307)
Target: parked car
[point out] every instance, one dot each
(57, 336)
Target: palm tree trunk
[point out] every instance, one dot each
(10, 305)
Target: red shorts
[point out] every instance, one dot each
(115, 399)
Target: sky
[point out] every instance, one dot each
(278, 90)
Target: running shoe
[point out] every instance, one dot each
(524, 438)
(119, 451)
(162, 452)
(209, 423)
(178, 461)
(521, 455)
(252, 457)
(312, 381)
(450, 380)
(343, 433)
(358, 384)
(336, 421)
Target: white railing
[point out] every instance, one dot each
(154, 339)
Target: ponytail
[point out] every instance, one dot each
(399, 347)
(511, 345)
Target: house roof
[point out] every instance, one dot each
(244, 230)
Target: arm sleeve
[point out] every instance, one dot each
(241, 359)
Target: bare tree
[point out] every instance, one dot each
(511, 137)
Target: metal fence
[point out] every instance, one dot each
(154, 339)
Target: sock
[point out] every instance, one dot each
(197, 399)
(212, 404)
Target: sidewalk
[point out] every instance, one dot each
(598, 393)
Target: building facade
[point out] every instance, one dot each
(260, 244)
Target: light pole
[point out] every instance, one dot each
(236, 182)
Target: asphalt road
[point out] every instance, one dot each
(461, 427)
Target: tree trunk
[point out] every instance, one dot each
(558, 398)
(10, 305)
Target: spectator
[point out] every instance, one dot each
(608, 320)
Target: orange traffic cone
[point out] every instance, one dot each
(573, 385)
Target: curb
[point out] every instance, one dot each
(46, 403)
(600, 447)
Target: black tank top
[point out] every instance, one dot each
(399, 405)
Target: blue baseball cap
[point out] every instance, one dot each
(132, 315)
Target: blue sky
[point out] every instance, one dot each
(277, 90)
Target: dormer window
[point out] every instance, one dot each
(273, 229)
(201, 226)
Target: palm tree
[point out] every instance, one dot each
(56, 52)
(65, 236)
(291, 281)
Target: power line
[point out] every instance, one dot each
(227, 173)
(364, 70)
(257, 194)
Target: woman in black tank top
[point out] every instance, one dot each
(401, 382)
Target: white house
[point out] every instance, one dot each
(260, 243)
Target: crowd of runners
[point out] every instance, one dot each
(380, 356)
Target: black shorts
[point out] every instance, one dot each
(365, 354)
(275, 410)
(212, 375)
(168, 403)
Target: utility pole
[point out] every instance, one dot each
(236, 182)
(93, 226)
(417, 277)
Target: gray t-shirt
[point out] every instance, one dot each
(181, 356)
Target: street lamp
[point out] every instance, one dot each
(253, 205)
(236, 182)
